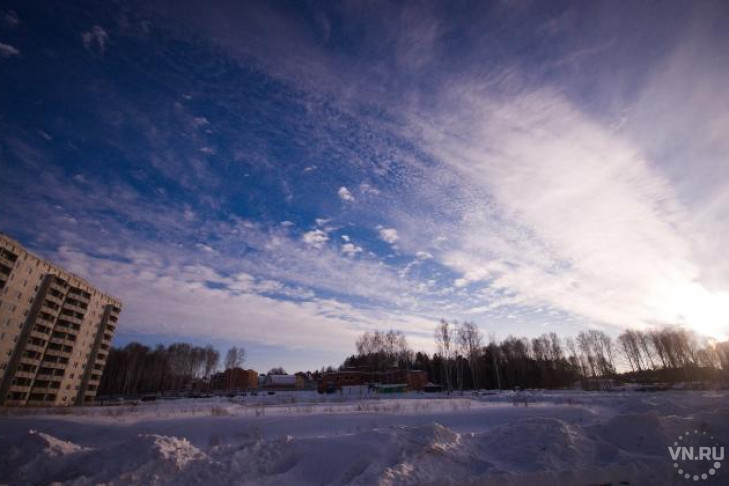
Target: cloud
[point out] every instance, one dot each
(242, 311)
(10, 18)
(388, 235)
(369, 190)
(545, 188)
(345, 195)
(350, 249)
(316, 238)
(6, 50)
(95, 40)
(579, 219)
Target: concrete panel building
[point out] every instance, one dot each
(55, 331)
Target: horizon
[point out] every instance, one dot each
(287, 177)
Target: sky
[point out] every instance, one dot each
(285, 176)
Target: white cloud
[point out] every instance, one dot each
(316, 238)
(241, 313)
(351, 249)
(206, 248)
(368, 189)
(580, 220)
(388, 235)
(345, 195)
(6, 50)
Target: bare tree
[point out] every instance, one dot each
(380, 349)
(234, 358)
(446, 348)
(212, 357)
(495, 358)
(469, 338)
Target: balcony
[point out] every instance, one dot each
(57, 366)
(79, 294)
(58, 352)
(50, 309)
(71, 319)
(45, 389)
(25, 374)
(4, 260)
(30, 361)
(58, 286)
(76, 309)
(19, 388)
(37, 334)
(56, 300)
(44, 320)
(34, 347)
(60, 341)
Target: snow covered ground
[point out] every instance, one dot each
(543, 438)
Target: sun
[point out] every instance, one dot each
(704, 311)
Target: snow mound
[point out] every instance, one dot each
(552, 445)
(261, 457)
(52, 446)
(174, 450)
(39, 455)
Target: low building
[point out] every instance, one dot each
(283, 382)
(235, 379)
(414, 380)
(391, 389)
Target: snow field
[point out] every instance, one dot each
(546, 438)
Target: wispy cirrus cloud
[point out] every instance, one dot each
(6, 50)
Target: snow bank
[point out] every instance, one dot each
(551, 439)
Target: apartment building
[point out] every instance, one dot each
(55, 331)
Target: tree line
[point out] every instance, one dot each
(137, 369)
(464, 360)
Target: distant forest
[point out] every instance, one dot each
(462, 361)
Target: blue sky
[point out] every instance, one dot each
(287, 175)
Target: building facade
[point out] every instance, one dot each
(55, 331)
(283, 382)
(413, 380)
(235, 379)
